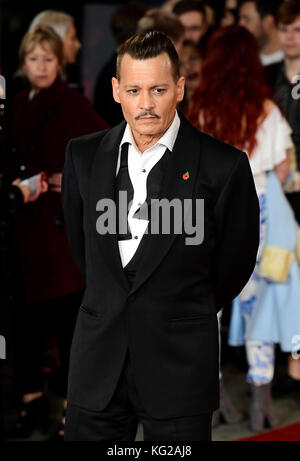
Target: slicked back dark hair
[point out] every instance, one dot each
(149, 45)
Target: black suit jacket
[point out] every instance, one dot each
(168, 318)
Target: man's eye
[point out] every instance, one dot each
(159, 90)
(133, 91)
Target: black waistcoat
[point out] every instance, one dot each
(123, 183)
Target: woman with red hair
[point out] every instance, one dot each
(233, 104)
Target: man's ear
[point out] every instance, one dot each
(115, 87)
(180, 88)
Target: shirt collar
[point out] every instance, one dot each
(167, 140)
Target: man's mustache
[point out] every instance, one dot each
(147, 113)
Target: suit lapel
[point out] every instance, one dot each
(184, 158)
(102, 186)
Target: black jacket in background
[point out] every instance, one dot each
(283, 93)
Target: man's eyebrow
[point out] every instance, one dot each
(154, 86)
(160, 84)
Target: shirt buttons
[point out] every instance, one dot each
(143, 170)
(136, 237)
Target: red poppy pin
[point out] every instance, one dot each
(186, 175)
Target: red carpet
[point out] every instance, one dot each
(290, 433)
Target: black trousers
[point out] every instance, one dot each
(119, 420)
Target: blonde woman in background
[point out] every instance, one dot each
(64, 26)
(45, 117)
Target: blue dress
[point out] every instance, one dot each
(273, 308)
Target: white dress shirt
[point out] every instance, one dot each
(139, 166)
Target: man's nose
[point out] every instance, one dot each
(146, 101)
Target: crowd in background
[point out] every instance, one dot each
(241, 62)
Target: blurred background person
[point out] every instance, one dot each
(260, 18)
(198, 21)
(165, 22)
(123, 24)
(284, 78)
(12, 197)
(230, 13)
(210, 8)
(45, 118)
(190, 59)
(192, 15)
(237, 109)
(64, 26)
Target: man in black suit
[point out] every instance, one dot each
(145, 345)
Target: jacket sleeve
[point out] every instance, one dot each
(237, 233)
(73, 211)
